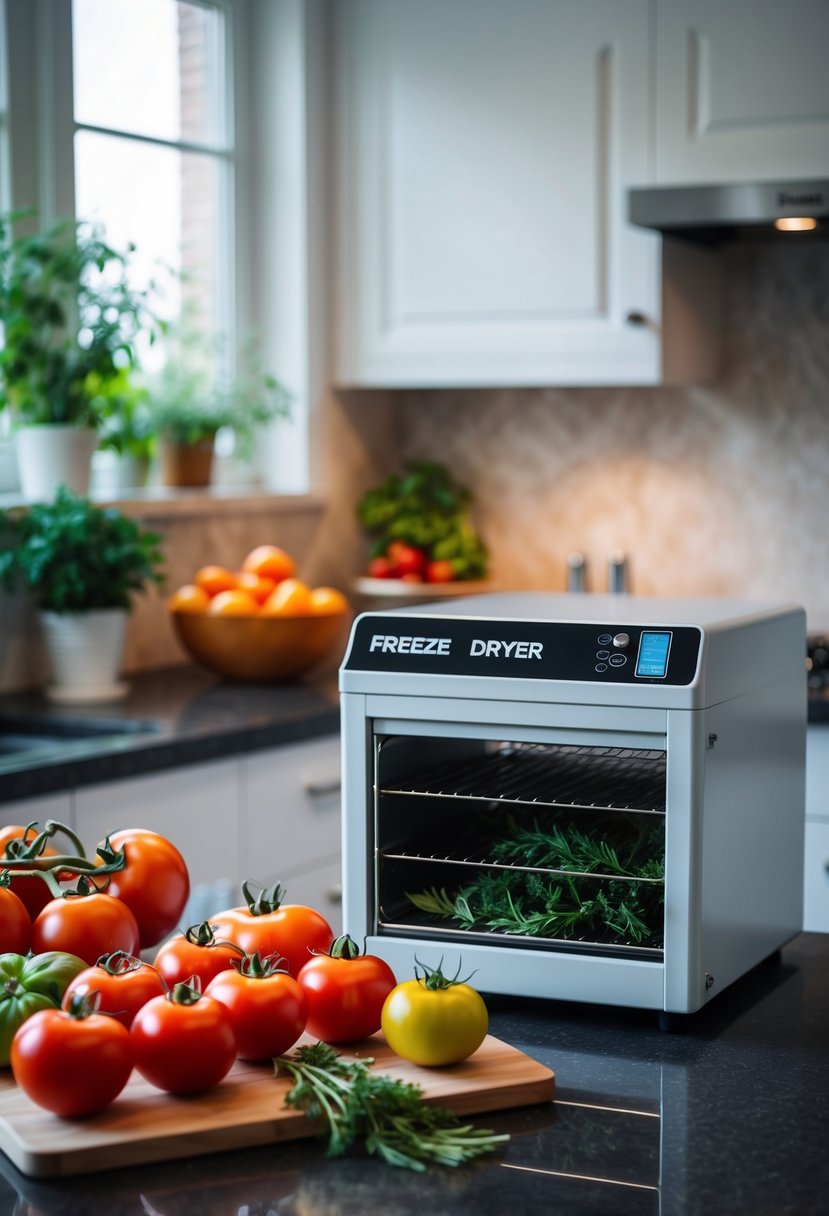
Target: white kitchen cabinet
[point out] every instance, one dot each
(291, 797)
(742, 90)
(39, 809)
(195, 807)
(484, 153)
(816, 851)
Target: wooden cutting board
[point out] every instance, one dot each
(246, 1110)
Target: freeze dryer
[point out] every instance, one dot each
(586, 798)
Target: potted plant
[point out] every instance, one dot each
(127, 441)
(70, 320)
(192, 398)
(82, 565)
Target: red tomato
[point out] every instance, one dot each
(86, 925)
(266, 1005)
(440, 572)
(154, 883)
(31, 889)
(406, 559)
(195, 952)
(346, 992)
(380, 567)
(183, 1042)
(124, 984)
(72, 1063)
(267, 926)
(15, 923)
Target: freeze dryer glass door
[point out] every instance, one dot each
(548, 845)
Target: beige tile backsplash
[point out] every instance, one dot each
(722, 490)
(716, 490)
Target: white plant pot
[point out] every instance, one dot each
(53, 455)
(9, 481)
(85, 650)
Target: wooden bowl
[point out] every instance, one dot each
(263, 649)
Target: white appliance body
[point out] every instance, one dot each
(711, 694)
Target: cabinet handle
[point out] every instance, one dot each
(335, 894)
(636, 318)
(323, 789)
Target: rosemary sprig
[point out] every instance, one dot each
(388, 1117)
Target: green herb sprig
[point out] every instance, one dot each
(388, 1117)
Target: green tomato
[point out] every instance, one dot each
(29, 983)
(434, 1026)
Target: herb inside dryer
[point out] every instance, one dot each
(523, 901)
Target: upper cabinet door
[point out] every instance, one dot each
(742, 90)
(484, 151)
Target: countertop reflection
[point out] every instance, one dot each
(729, 1116)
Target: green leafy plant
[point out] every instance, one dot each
(425, 507)
(191, 397)
(74, 556)
(387, 1117)
(70, 321)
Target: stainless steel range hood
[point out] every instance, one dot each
(794, 210)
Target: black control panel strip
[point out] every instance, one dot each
(535, 650)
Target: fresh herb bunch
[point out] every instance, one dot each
(387, 1117)
(70, 321)
(566, 847)
(425, 507)
(75, 557)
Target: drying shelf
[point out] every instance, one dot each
(440, 933)
(485, 863)
(575, 778)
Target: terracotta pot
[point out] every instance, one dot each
(186, 464)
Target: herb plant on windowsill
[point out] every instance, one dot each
(70, 323)
(190, 401)
(82, 565)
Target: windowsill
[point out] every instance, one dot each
(158, 502)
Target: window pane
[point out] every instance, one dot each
(165, 202)
(151, 67)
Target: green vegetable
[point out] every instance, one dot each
(388, 1117)
(427, 508)
(29, 983)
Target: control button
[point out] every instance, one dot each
(621, 640)
(618, 660)
(602, 654)
(604, 639)
(601, 667)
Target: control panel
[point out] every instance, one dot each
(541, 650)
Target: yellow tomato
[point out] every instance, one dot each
(434, 1026)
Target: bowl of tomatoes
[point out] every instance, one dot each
(259, 623)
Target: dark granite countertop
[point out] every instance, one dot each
(170, 717)
(727, 1118)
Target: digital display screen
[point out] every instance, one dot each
(652, 660)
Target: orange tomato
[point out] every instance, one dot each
(255, 585)
(327, 601)
(292, 597)
(189, 598)
(215, 579)
(269, 561)
(233, 603)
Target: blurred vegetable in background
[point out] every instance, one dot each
(427, 510)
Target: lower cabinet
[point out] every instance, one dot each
(816, 851)
(270, 816)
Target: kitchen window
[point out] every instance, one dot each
(165, 120)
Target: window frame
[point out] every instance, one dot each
(274, 70)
